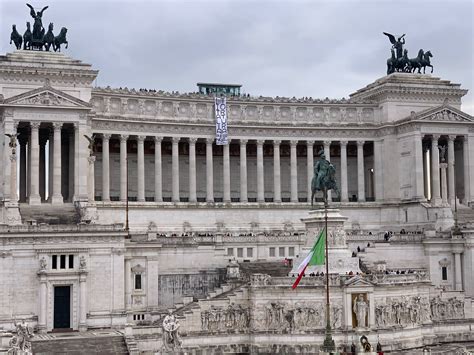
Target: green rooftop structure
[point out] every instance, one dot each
(219, 89)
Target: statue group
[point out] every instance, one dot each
(38, 39)
(324, 178)
(20, 343)
(401, 62)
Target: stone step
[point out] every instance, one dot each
(80, 345)
(46, 213)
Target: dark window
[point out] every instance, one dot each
(272, 251)
(54, 262)
(62, 261)
(444, 272)
(138, 282)
(71, 261)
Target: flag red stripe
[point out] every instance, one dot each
(299, 278)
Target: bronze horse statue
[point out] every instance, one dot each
(391, 62)
(324, 178)
(415, 63)
(60, 39)
(27, 37)
(49, 37)
(16, 38)
(426, 61)
(401, 64)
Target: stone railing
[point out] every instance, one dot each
(61, 228)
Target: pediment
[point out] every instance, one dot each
(443, 113)
(46, 96)
(358, 281)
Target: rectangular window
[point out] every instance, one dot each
(240, 252)
(71, 261)
(444, 272)
(54, 262)
(249, 252)
(281, 251)
(138, 282)
(272, 252)
(62, 263)
(230, 251)
(291, 251)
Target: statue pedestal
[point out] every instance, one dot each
(339, 255)
(12, 213)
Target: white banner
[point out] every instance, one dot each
(220, 105)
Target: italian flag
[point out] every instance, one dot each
(316, 256)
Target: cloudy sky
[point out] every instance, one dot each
(286, 48)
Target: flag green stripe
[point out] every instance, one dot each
(319, 250)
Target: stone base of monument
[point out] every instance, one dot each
(339, 255)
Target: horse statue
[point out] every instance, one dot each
(426, 61)
(49, 37)
(391, 62)
(27, 37)
(16, 38)
(402, 62)
(324, 178)
(60, 39)
(415, 63)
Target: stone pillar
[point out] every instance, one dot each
(243, 170)
(83, 302)
(457, 271)
(344, 190)
(128, 289)
(309, 167)
(13, 187)
(175, 169)
(141, 168)
(123, 168)
(105, 168)
(158, 171)
(226, 173)
(35, 198)
(418, 168)
(71, 165)
(57, 161)
(467, 185)
(293, 171)
(276, 172)
(435, 193)
(91, 180)
(42, 168)
(22, 142)
(43, 311)
(209, 171)
(51, 166)
(327, 153)
(360, 172)
(192, 170)
(451, 177)
(260, 172)
(378, 166)
(444, 188)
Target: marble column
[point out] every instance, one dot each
(467, 185)
(57, 168)
(293, 171)
(192, 170)
(141, 168)
(91, 179)
(71, 165)
(378, 166)
(327, 153)
(42, 168)
(276, 172)
(309, 167)
(123, 168)
(418, 168)
(435, 193)
(105, 168)
(158, 171)
(175, 169)
(34, 198)
(344, 190)
(360, 172)
(457, 271)
(83, 302)
(260, 172)
(51, 166)
(43, 299)
(22, 142)
(209, 171)
(444, 188)
(128, 282)
(13, 173)
(226, 172)
(243, 170)
(451, 177)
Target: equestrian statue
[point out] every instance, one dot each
(324, 178)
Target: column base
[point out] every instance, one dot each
(34, 200)
(42, 329)
(12, 213)
(82, 327)
(57, 200)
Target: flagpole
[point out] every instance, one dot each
(328, 344)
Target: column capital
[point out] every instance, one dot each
(343, 144)
(175, 140)
(106, 136)
(327, 143)
(293, 142)
(158, 139)
(260, 142)
(435, 137)
(57, 126)
(360, 143)
(13, 158)
(192, 140)
(141, 139)
(210, 140)
(243, 141)
(451, 137)
(310, 143)
(123, 138)
(91, 159)
(276, 142)
(35, 125)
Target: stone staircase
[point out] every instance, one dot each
(46, 213)
(79, 344)
(465, 215)
(272, 268)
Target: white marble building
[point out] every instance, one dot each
(192, 205)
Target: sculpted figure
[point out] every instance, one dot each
(20, 344)
(360, 309)
(397, 43)
(38, 30)
(324, 177)
(171, 339)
